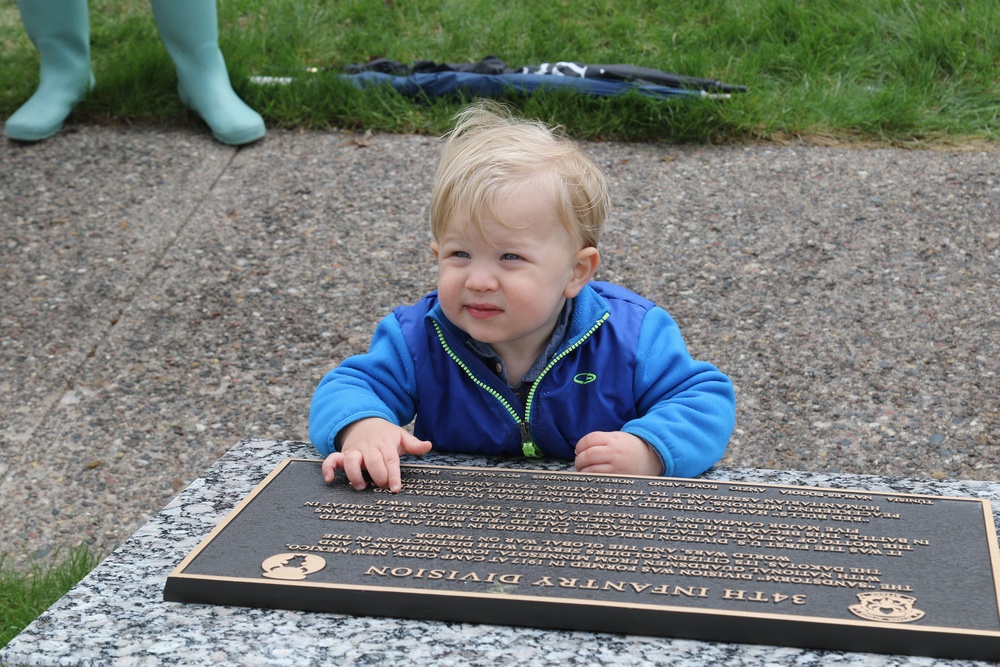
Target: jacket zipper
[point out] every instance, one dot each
(528, 446)
(556, 359)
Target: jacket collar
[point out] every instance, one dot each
(589, 307)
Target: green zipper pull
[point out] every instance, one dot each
(527, 446)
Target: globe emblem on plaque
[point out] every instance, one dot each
(292, 567)
(886, 607)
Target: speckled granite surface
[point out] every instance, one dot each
(116, 616)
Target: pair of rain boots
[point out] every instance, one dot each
(60, 30)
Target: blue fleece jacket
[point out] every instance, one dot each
(623, 366)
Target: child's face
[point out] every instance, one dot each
(507, 288)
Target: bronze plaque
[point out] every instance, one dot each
(726, 561)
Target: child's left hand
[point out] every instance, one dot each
(616, 452)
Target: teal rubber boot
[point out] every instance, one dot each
(190, 31)
(60, 30)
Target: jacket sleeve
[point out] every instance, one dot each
(380, 383)
(687, 407)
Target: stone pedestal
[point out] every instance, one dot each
(117, 614)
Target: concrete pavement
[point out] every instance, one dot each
(165, 296)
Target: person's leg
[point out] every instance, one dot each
(60, 30)
(190, 31)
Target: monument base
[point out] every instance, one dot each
(697, 559)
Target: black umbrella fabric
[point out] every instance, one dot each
(491, 76)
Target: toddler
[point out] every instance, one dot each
(519, 352)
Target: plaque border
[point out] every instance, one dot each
(751, 627)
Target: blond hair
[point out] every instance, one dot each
(490, 155)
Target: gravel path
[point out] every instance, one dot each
(165, 296)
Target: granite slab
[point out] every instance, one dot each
(117, 616)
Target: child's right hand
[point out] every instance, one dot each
(375, 445)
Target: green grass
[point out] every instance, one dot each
(900, 72)
(25, 595)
